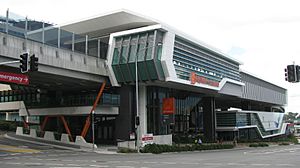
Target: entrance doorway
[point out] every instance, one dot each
(105, 129)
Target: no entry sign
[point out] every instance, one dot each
(14, 78)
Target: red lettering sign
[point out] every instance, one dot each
(200, 79)
(168, 105)
(14, 78)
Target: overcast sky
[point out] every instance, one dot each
(263, 34)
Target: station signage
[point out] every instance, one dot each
(202, 80)
(147, 139)
(168, 106)
(14, 78)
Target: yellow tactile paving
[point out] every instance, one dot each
(8, 148)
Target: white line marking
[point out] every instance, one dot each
(99, 166)
(213, 164)
(168, 162)
(236, 164)
(282, 165)
(12, 163)
(125, 166)
(150, 162)
(258, 164)
(190, 163)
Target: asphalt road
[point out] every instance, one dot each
(270, 157)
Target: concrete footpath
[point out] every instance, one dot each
(61, 145)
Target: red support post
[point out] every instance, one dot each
(88, 119)
(66, 127)
(44, 123)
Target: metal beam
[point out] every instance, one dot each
(88, 119)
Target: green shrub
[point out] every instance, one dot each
(292, 139)
(8, 126)
(284, 143)
(156, 149)
(126, 150)
(261, 144)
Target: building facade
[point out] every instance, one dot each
(160, 81)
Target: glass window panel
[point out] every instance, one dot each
(125, 72)
(151, 69)
(66, 39)
(93, 47)
(116, 56)
(141, 52)
(123, 59)
(142, 71)
(103, 50)
(51, 36)
(79, 43)
(36, 36)
(2, 27)
(132, 53)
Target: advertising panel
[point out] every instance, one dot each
(271, 121)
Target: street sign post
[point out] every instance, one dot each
(14, 78)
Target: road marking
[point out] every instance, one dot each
(190, 163)
(236, 164)
(168, 162)
(54, 164)
(32, 164)
(213, 164)
(99, 166)
(132, 161)
(65, 167)
(12, 163)
(150, 162)
(125, 166)
(282, 165)
(17, 149)
(260, 164)
(73, 165)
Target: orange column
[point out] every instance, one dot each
(88, 119)
(66, 127)
(44, 123)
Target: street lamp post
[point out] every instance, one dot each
(137, 119)
(93, 129)
(137, 105)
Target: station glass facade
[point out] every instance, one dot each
(188, 116)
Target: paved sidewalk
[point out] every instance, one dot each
(57, 144)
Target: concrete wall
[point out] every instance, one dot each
(53, 60)
(163, 139)
(260, 90)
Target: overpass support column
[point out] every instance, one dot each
(125, 119)
(209, 119)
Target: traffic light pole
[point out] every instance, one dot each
(9, 62)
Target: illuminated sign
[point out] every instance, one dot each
(14, 78)
(168, 105)
(200, 79)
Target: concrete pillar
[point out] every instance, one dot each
(125, 119)
(209, 119)
(33, 133)
(19, 131)
(143, 109)
(65, 138)
(49, 136)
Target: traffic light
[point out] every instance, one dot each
(291, 75)
(34, 63)
(297, 73)
(286, 74)
(24, 62)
